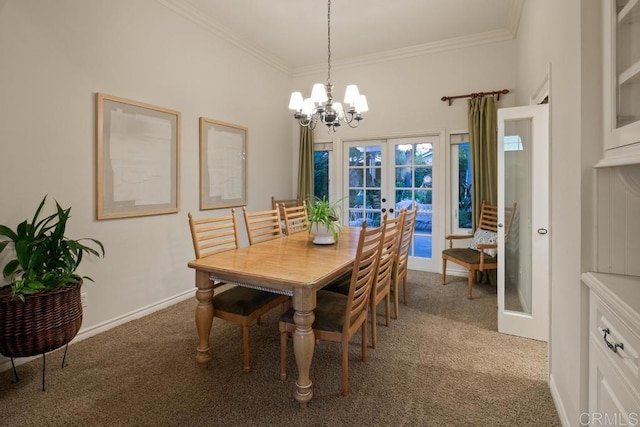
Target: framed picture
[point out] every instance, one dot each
(223, 164)
(138, 158)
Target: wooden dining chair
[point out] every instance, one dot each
(338, 317)
(400, 266)
(296, 219)
(262, 225)
(280, 204)
(236, 304)
(381, 288)
(481, 254)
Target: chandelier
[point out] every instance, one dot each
(320, 107)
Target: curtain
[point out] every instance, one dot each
(305, 165)
(483, 141)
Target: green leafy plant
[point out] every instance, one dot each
(322, 211)
(44, 257)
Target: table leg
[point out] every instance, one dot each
(304, 301)
(204, 316)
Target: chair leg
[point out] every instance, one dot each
(405, 286)
(283, 354)
(444, 271)
(470, 283)
(396, 299)
(387, 308)
(245, 347)
(345, 368)
(374, 326)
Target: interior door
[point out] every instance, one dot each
(523, 181)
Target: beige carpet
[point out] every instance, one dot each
(441, 364)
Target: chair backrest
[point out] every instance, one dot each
(488, 219)
(404, 246)
(213, 235)
(296, 218)
(510, 214)
(283, 203)
(364, 270)
(262, 225)
(392, 233)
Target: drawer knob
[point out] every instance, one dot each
(613, 346)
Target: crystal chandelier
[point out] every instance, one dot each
(320, 107)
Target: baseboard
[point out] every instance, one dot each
(84, 333)
(562, 413)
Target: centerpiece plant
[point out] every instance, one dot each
(324, 214)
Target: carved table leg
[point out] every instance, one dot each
(204, 316)
(304, 301)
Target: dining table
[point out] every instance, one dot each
(291, 265)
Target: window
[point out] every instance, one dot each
(460, 183)
(322, 169)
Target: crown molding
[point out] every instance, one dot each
(216, 28)
(408, 52)
(195, 15)
(514, 17)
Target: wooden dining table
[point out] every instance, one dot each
(292, 265)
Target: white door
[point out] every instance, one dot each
(387, 175)
(523, 182)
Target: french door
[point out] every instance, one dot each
(523, 182)
(388, 175)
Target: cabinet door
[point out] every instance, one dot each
(621, 50)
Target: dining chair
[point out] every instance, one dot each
(338, 317)
(400, 266)
(281, 204)
(236, 304)
(296, 219)
(481, 254)
(381, 288)
(262, 225)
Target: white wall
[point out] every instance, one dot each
(565, 35)
(54, 57)
(404, 94)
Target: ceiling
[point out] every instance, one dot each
(292, 34)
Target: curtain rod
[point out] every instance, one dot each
(475, 95)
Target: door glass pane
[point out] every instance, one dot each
(517, 190)
(414, 182)
(365, 178)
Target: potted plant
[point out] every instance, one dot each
(323, 219)
(41, 310)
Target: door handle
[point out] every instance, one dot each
(542, 231)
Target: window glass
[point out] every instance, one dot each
(461, 182)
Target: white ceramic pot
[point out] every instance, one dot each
(322, 235)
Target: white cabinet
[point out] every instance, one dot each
(614, 349)
(621, 50)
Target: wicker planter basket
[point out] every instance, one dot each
(44, 322)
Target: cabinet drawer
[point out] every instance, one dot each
(617, 341)
(611, 400)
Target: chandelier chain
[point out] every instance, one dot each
(329, 43)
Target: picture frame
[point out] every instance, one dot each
(223, 164)
(137, 158)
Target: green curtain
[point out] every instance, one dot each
(483, 141)
(305, 164)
